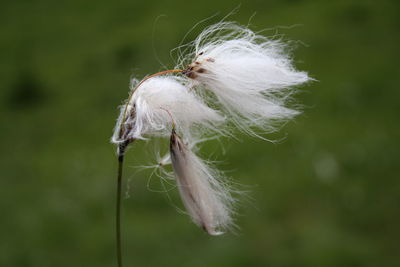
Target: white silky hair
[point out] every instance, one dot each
(252, 80)
(251, 76)
(192, 144)
(160, 102)
(204, 194)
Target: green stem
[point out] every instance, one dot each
(118, 209)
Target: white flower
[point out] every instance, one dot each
(157, 104)
(207, 200)
(251, 76)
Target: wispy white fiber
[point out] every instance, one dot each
(158, 103)
(251, 76)
(191, 143)
(244, 78)
(206, 198)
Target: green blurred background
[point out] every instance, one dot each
(328, 195)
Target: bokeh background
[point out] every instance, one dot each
(328, 195)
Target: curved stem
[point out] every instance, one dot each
(118, 209)
(121, 151)
(136, 87)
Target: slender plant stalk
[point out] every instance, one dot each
(121, 151)
(118, 210)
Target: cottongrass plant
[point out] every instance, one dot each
(207, 200)
(251, 76)
(230, 75)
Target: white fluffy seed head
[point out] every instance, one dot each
(207, 199)
(157, 104)
(250, 75)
